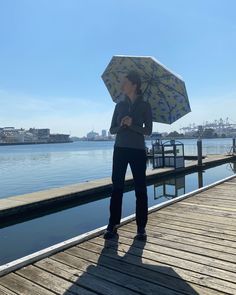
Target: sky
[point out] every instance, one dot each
(53, 53)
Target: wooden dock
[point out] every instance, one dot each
(42, 200)
(190, 249)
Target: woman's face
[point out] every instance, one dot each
(127, 87)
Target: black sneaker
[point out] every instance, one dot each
(141, 234)
(110, 232)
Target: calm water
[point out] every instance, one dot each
(29, 168)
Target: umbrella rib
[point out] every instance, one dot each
(169, 87)
(166, 101)
(149, 84)
(136, 64)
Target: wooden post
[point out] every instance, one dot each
(200, 179)
(199, 152)
(234, 145)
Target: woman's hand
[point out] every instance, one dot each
(126, 121)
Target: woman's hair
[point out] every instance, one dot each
(134, 78)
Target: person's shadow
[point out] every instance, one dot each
(121, 270)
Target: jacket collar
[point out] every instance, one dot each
(138, 99)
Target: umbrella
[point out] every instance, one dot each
(164, 90)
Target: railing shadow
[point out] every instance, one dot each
(121, 269)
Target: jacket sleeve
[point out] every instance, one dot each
(115, 128)
(147, 128)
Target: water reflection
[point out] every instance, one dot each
(200, 178)
(169, 188)
(176, 186)
(233, 166)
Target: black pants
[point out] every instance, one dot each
(136, 158)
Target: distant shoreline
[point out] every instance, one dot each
(28, 143)
(153, 139)
(104, 140)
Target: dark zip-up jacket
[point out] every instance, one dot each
(141, 114)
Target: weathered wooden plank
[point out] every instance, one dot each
(229, 183)
(134, 270)
(98, 253)
(209, 213)
(64, 271)
(184, 255)
(216, 195)
(203, 232)
(213, 198)
(192, 239)
(109, 274)
(156, 232)
(89, 281)
(5, 291)
(225, 186)
(22, 286)
(195, 217)
(72, 269)
(192, 224)
(232, 180)
(190, 221)
(166, 229)
(218, 208)
(226, 240)
(209, 242)
(196, 237)
(170, 261)
(212, 202)
(191, 248)
(50, 281)
(155, 221)
(220, 192)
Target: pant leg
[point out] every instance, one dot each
(119, 168)
(138, 167)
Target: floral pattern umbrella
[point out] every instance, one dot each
(164, 90)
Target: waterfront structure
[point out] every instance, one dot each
(10, 135)
(41, 134)
(104, 133)
(92, 135)
(59, 138)
(218, 128)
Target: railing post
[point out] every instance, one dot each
(199, 152)
(234, 145)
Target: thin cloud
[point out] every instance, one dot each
(78, 116)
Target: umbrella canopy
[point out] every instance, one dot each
(164, 90)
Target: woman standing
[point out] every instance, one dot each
(132, 119)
